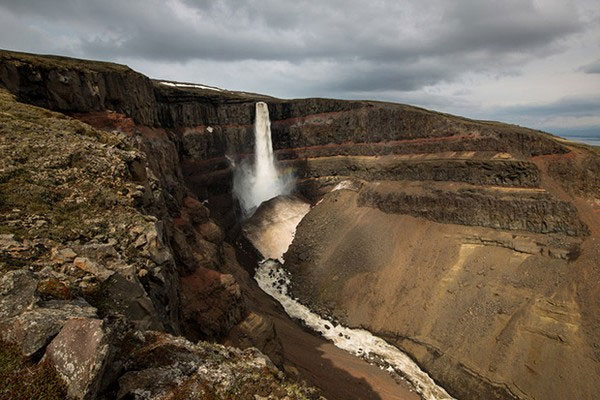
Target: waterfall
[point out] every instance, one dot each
(253, 184)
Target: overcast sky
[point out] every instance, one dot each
(531, 62)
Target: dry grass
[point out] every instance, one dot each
(20, 379)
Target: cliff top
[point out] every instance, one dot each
(54, 61)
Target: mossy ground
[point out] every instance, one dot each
(60, 179)
(20, 379)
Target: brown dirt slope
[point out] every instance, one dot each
(490, 310)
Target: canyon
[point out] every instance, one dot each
(472, 246)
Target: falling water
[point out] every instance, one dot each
(261, 181)
(266, 184)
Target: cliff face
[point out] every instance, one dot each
(472, 245)
(104, 253)
(207, 124)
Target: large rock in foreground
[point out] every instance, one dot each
(82, 354)
(168, 367)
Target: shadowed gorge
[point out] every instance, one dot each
(472, 246)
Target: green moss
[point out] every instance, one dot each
(25, 120)
(61, 170)
(20, 379)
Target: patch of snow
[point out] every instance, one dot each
(346, 185)
(191, 85)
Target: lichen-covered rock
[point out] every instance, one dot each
(33, 329)
(17, 292)
(32, 311)
(167, 367)
(82, 353)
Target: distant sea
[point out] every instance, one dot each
(592, 140)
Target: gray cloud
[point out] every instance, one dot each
(588, 106)
(592, 68)
(383, 31)
(382, 49)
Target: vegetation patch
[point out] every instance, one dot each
(21, 379)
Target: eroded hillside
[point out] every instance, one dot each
(490, 285)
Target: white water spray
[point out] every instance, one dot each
(261, 181)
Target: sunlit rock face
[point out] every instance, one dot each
(271, 228)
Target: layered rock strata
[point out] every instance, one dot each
(472, 245)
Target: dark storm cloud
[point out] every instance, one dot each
(480, 33)
(342, 30)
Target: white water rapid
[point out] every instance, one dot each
(261, 181)
(273, 279)
(271, 231)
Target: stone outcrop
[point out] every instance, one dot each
(66, 85)
(257, 331)
(212, 304)
(478, 172)
(166, 367)
(533, 211)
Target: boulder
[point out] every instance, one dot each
(91, 267)
(62, 256)
(17, 292)
(26, 319)
(81, 354)
(126, 295)
(52, 288)
(33, 329)
(211, 304)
